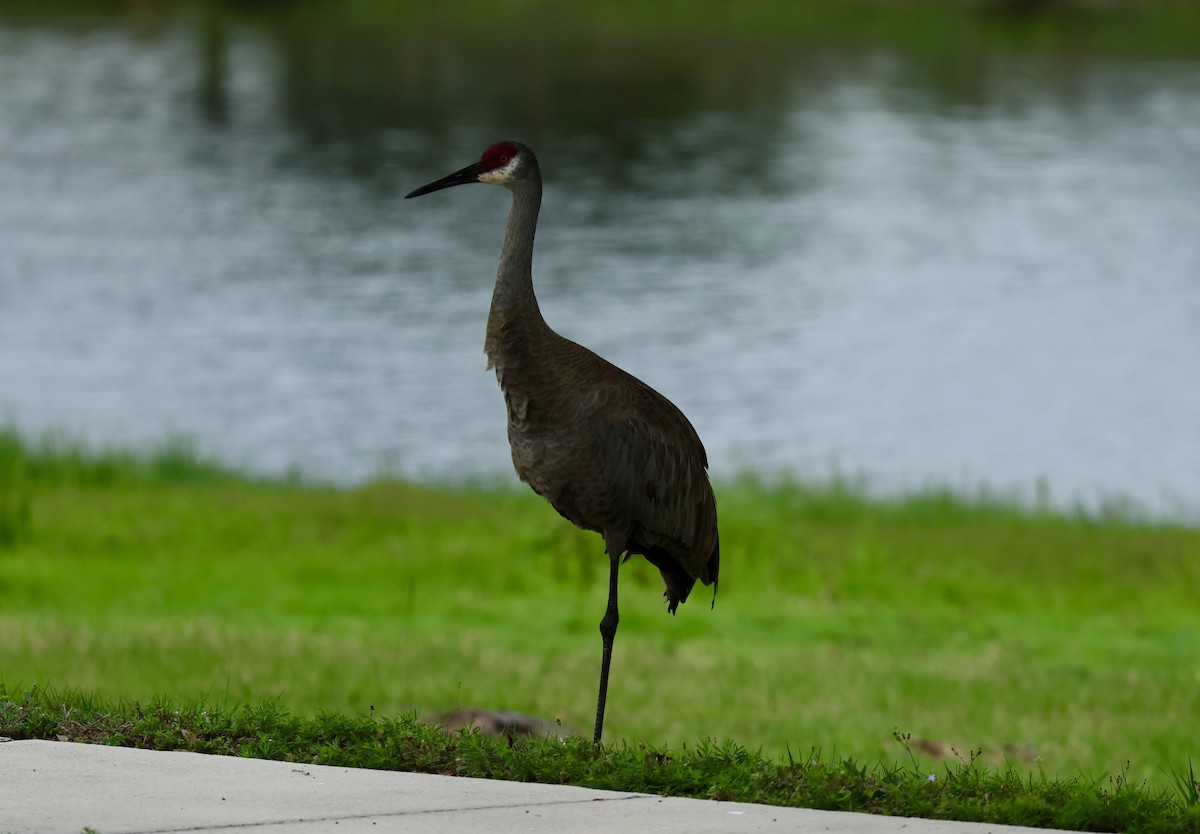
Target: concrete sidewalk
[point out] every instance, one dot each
(60, 788)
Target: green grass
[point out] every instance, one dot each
(960, 790)
(1059, 643)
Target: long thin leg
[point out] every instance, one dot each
(608, 630)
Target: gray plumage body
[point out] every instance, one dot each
(606, 450)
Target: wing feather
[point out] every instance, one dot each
(656, 468)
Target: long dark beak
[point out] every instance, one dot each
(466, 175)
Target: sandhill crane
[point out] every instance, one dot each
(606, 450)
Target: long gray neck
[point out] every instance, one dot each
(513, 297)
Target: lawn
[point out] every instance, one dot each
(1062, 643)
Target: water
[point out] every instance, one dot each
(830, 262)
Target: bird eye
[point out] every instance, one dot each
(503, 158)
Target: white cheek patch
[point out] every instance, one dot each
(501, 175)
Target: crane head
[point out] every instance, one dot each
(504, 163)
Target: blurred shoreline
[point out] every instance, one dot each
(1079, 28)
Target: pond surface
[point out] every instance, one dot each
(832, 260)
